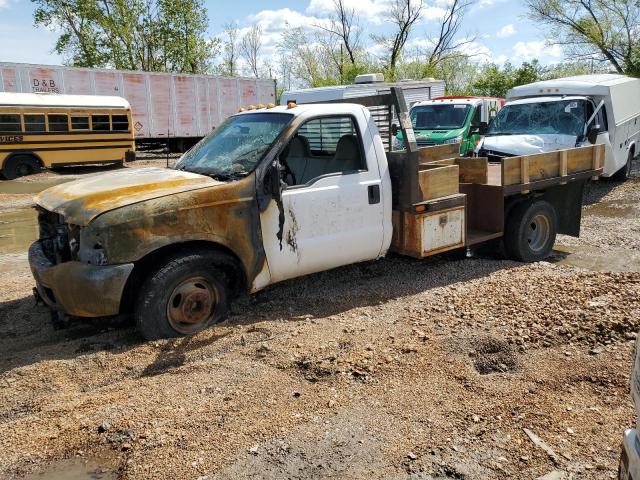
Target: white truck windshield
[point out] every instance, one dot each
(563, 117)
(439, 117)
(234, 148)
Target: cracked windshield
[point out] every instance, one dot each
(435, 117)
(234, 148)
(548, 118)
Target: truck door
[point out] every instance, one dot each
(332, 205)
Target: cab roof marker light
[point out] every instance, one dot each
(241, 109)
(291, 105)
(270, 105)
(251, 107)
(259, 106)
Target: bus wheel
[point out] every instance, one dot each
(20, 166)
(530, 232)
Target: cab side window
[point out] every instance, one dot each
(323, 146)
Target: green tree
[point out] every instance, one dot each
(151, 35)
(606, 30)
(496, 81)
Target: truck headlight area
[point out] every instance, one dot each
(91, 249)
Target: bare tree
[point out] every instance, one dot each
(403, 14)
(446, 43)
(605, 30)
(344, 24)
(229, 64)
(250, 48)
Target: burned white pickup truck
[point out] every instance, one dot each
(275, 193)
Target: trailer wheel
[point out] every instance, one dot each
(530, 232)
(20, 166)
(182, 297)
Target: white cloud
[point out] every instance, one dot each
(506, 31)
(372, 11)
(4, 3)
(542, 50)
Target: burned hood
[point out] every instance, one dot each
(528, 144)
(81, 201)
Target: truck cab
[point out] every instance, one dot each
(451, 120)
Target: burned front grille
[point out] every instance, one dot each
(54, 236)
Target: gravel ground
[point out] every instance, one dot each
(396, 369)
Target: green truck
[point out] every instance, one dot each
(445, 120)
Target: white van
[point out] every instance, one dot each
(570, 112)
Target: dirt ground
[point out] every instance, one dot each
(396, 369)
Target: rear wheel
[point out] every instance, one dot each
(182, 297)
(20, 166)
(625, 172)
(530, 232)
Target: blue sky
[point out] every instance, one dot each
(501, 29)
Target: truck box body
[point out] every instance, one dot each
(179, 105)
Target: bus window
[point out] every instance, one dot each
(34, 123)
(58, 123)
(10, 123)
(120, 122)
(80, 122)
(100, 123)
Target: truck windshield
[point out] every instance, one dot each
(564, 117)
(234, 148)
(439, 117)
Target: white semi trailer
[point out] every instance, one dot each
(179, 107)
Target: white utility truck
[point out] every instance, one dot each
(629, 468)
(277, 193)
(570, 112)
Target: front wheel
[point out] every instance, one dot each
(530, 232)
(182, 297)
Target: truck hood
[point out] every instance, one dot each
(528, 144)
(81, 201)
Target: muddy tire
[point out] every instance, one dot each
(185, 295)
(20, 166)
(625, 172)
(530, 232)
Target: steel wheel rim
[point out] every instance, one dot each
(24, 169)
(191, 305)
(538, 232)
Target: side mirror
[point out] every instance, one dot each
(273, 182)
(394, 129)
(592, 134)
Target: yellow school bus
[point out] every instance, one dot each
(39, 130)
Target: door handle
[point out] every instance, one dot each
(374, 194)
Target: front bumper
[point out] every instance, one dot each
(77, 288)
(630, 458)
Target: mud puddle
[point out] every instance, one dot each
(18, 187)
(101, 467)
(18, 229)
(596, 259)
(613, 209)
